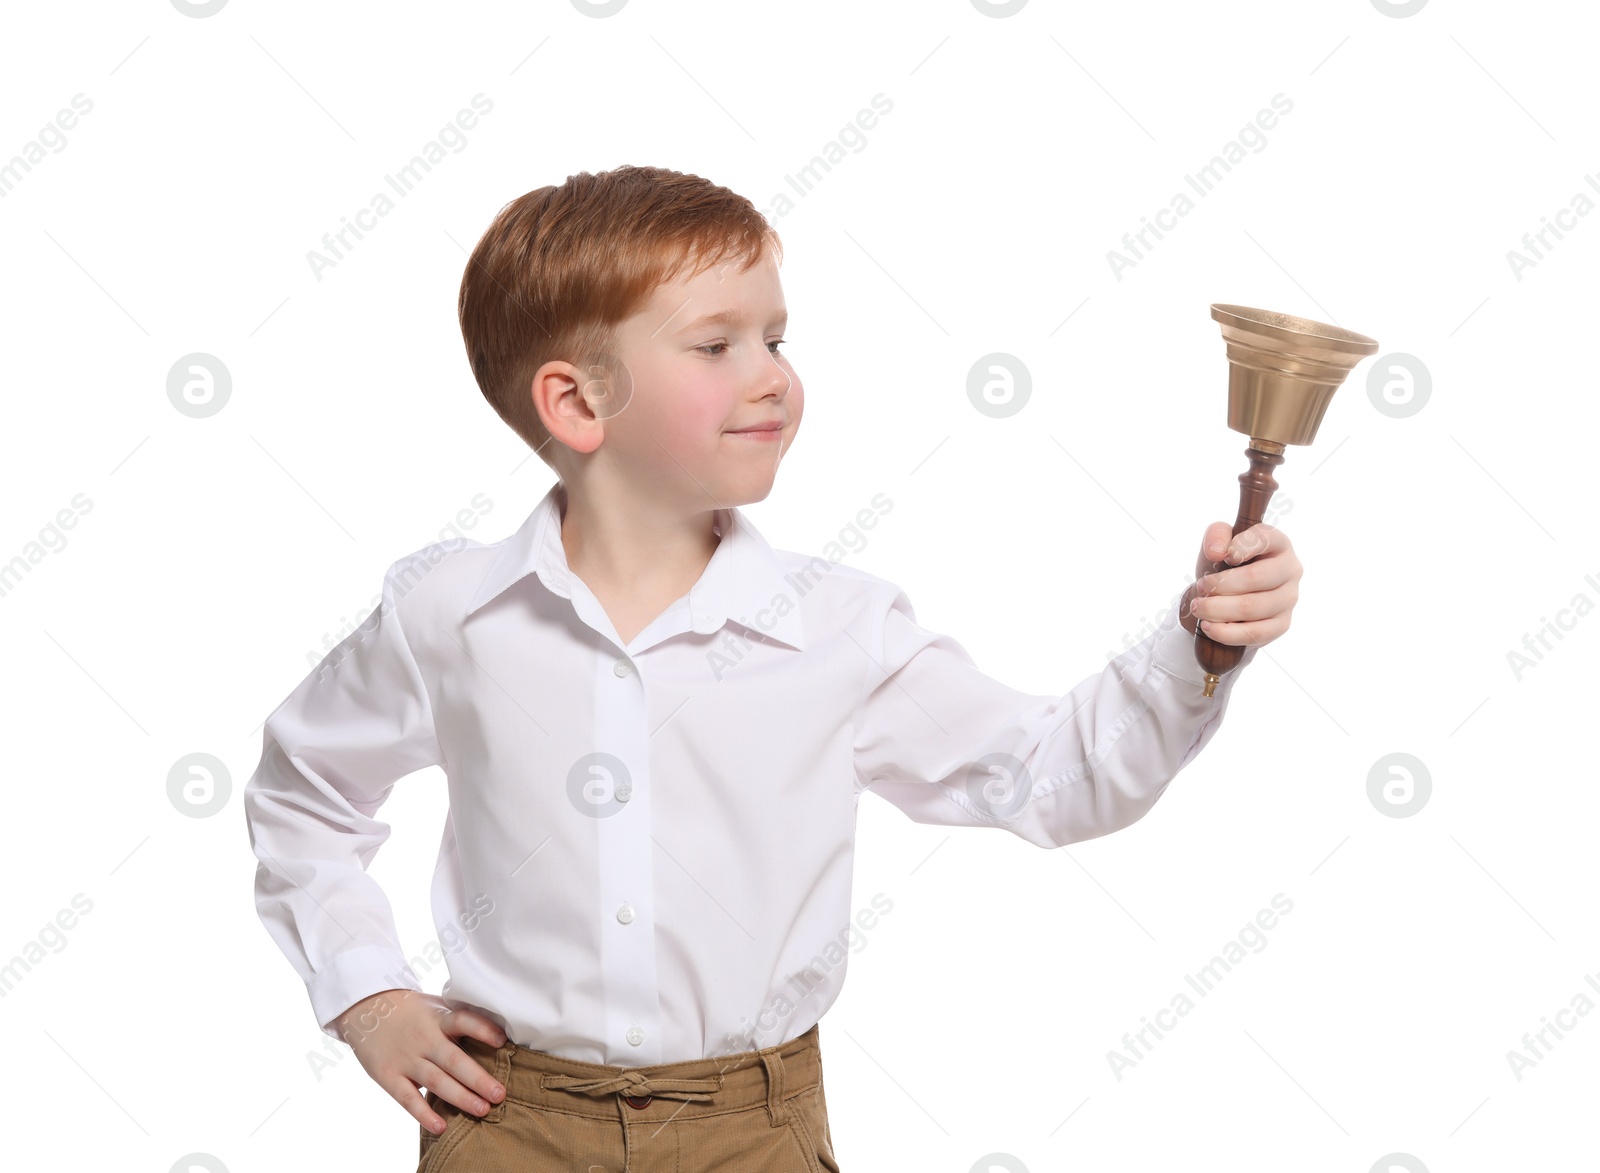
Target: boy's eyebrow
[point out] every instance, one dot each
(722, 318)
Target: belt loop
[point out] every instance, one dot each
(502, 1072)
(773, 1062)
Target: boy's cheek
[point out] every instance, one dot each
(795, 401)
(687, 431)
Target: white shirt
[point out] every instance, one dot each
(648, 852)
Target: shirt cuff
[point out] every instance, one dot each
(356, 974)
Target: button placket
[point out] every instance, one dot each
(626, 865)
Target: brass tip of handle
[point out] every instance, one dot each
(1211, 683)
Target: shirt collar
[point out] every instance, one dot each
(742, 582)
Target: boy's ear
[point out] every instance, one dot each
(562, 407)
(575, 402)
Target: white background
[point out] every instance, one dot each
(975, 218)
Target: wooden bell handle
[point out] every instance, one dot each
(1255, 492)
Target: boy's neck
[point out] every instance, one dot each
(641, 548)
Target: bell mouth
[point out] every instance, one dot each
(1269, 324)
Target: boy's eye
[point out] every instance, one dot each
(713, 350)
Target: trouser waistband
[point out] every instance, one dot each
(664, 1091)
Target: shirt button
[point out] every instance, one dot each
(625, 914)
(635, 1035)
(622, 667)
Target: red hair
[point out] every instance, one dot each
(562, 266)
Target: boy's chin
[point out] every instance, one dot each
(749, 493)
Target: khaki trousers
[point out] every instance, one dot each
(755, 1111)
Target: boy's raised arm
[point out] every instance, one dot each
(947, 744)
(331, 752)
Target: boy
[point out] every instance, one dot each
(655, 728)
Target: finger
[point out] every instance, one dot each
(1255, 542)
(1258, 632)
(1248, 607)
(464, 1022)
(469, 1072)
(406, 1094)
(1186, 616)
(1264, 574)
(455, 1085)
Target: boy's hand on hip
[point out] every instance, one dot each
(404, 1039)
(1249, 604)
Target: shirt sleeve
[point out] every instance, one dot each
(949, 745)
(331, 753)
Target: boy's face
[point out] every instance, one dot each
(690, 388)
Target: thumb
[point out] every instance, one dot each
(1215, 544)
